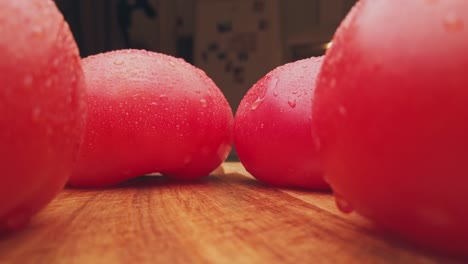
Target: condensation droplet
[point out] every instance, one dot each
(318, 144)
(273, 83)
(262, 126)
(294, 92)
(453, 23)
(163, 97)
(342, 110)
(172, 63)
(187, 160)
(36, 113)
(197, 91)
(37, 31)
(28, 80)
(118, 62)
(292, 103)
(305, 66)
(257, 103)
(343, 205)
(55, 63)
(204, 102)
(205, 151)
(48, 83)
(275, 94)
(154, 104)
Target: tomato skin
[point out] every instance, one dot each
(391, 109)
(150, 112)
(272, 128)
(42, 108)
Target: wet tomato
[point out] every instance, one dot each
(391, 111)
(150, 112)
(273, 131)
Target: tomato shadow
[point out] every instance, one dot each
(238, 178)
(148, 181)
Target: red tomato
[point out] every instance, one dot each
(147, 113)
(272, 129)
(391, 109)
(42, 107)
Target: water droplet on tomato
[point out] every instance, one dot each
(342, 110)
(49, 130)
(197, 91)
(205, 151)
(48, 83)
(318, 146)
(28, 80)
(172, 63)
(55, 63)
(453, 23)
(262, 126)
(37, 31)
(187, 160)
(257, 103)
(292, 103)
(304, 66)
(273, 83)
(275, 94)
(163, 97)
(343, 205)
(118, 62)
(36, 114)
(294, 92)
(204, 102)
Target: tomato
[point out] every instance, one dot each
(42, 107)
(272, 128)
(391, 111)
(150, 112)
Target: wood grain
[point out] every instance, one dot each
(228, 217)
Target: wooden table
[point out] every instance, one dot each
(228, 217)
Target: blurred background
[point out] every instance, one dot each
(235, 42)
